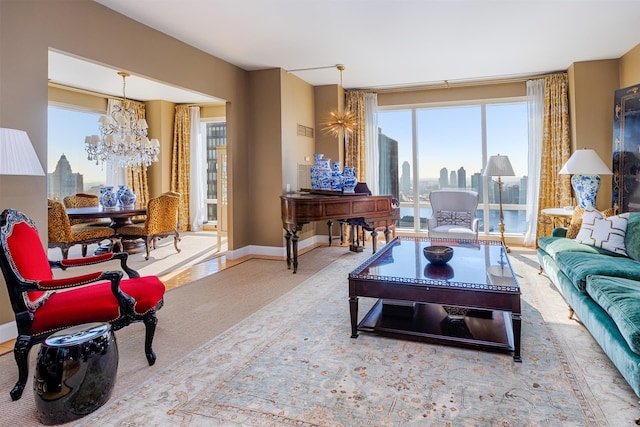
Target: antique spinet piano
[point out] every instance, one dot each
(369, 212)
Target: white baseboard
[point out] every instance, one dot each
(8, 331)
(274, 250)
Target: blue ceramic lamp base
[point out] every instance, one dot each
(586, 188)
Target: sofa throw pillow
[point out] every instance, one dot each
(576, 220)
(603, 232)
(462, 218)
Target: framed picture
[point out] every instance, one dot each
(626, 149)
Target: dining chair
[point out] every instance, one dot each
(63, 235)
(83, 200)
(161, 221)
(453, 215)
(43, 304)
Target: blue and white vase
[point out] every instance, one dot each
(315, 174)
(127, 198)
(108, 197)
(121, 189)
(324, 174)
(349, 180)
(336, 177)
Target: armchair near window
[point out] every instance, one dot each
(161, 221)
(63, 235)
(454, 215)
(43, 304)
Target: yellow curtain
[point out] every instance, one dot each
(180, 163)
(137, 177)
(355, 155)
(555, 190)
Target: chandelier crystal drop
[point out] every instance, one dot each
(123, 138)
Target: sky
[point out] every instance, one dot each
(67, 131)
(451, 137)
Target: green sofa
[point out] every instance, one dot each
(603, 289)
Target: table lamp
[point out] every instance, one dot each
(499, 166)
(585, 165)
(17, 156)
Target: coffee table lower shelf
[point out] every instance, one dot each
(488, 330)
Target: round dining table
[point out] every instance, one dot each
(119, 216)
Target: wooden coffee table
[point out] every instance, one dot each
(473, 300)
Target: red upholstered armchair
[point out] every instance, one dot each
(43, 304)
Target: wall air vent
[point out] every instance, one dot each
(305, 131)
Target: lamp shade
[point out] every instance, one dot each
(498, 166)
(585, 162)
(17, 156)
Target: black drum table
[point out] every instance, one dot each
(75, 372)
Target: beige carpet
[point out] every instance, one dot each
(292, 362)
(192, 315)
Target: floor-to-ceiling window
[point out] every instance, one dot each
(446, 147)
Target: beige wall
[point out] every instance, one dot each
(452, 94)
(630, 68)
(161, 116)
(591, 88)
(328, 98)
(28, 28)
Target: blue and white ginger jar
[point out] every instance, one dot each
(336, 177)
(349, 180)
(315, 173)
(108, 197)
(127, 198)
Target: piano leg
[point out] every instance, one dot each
(287, 236)
(294, 242)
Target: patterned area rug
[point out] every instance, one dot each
(294, 363)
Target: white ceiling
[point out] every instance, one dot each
(396, 43)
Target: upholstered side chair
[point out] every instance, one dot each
(63, 235)
(161, 221)
(82, 200)
(454, 215)
(43, 304)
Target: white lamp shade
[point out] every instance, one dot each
(498, 166)
(585, 162)
(17, 156)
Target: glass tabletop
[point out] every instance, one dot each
(476, 264)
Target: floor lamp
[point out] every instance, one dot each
(499, 166)
(585, 166)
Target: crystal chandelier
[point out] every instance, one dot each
(123, 138)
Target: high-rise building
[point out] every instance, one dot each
(405, 179)
(62, 181)
(453, 179)
(462, 178)
(444, 178)
(388, 183)
(476, 185)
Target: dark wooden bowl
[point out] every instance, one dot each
(438, 255)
